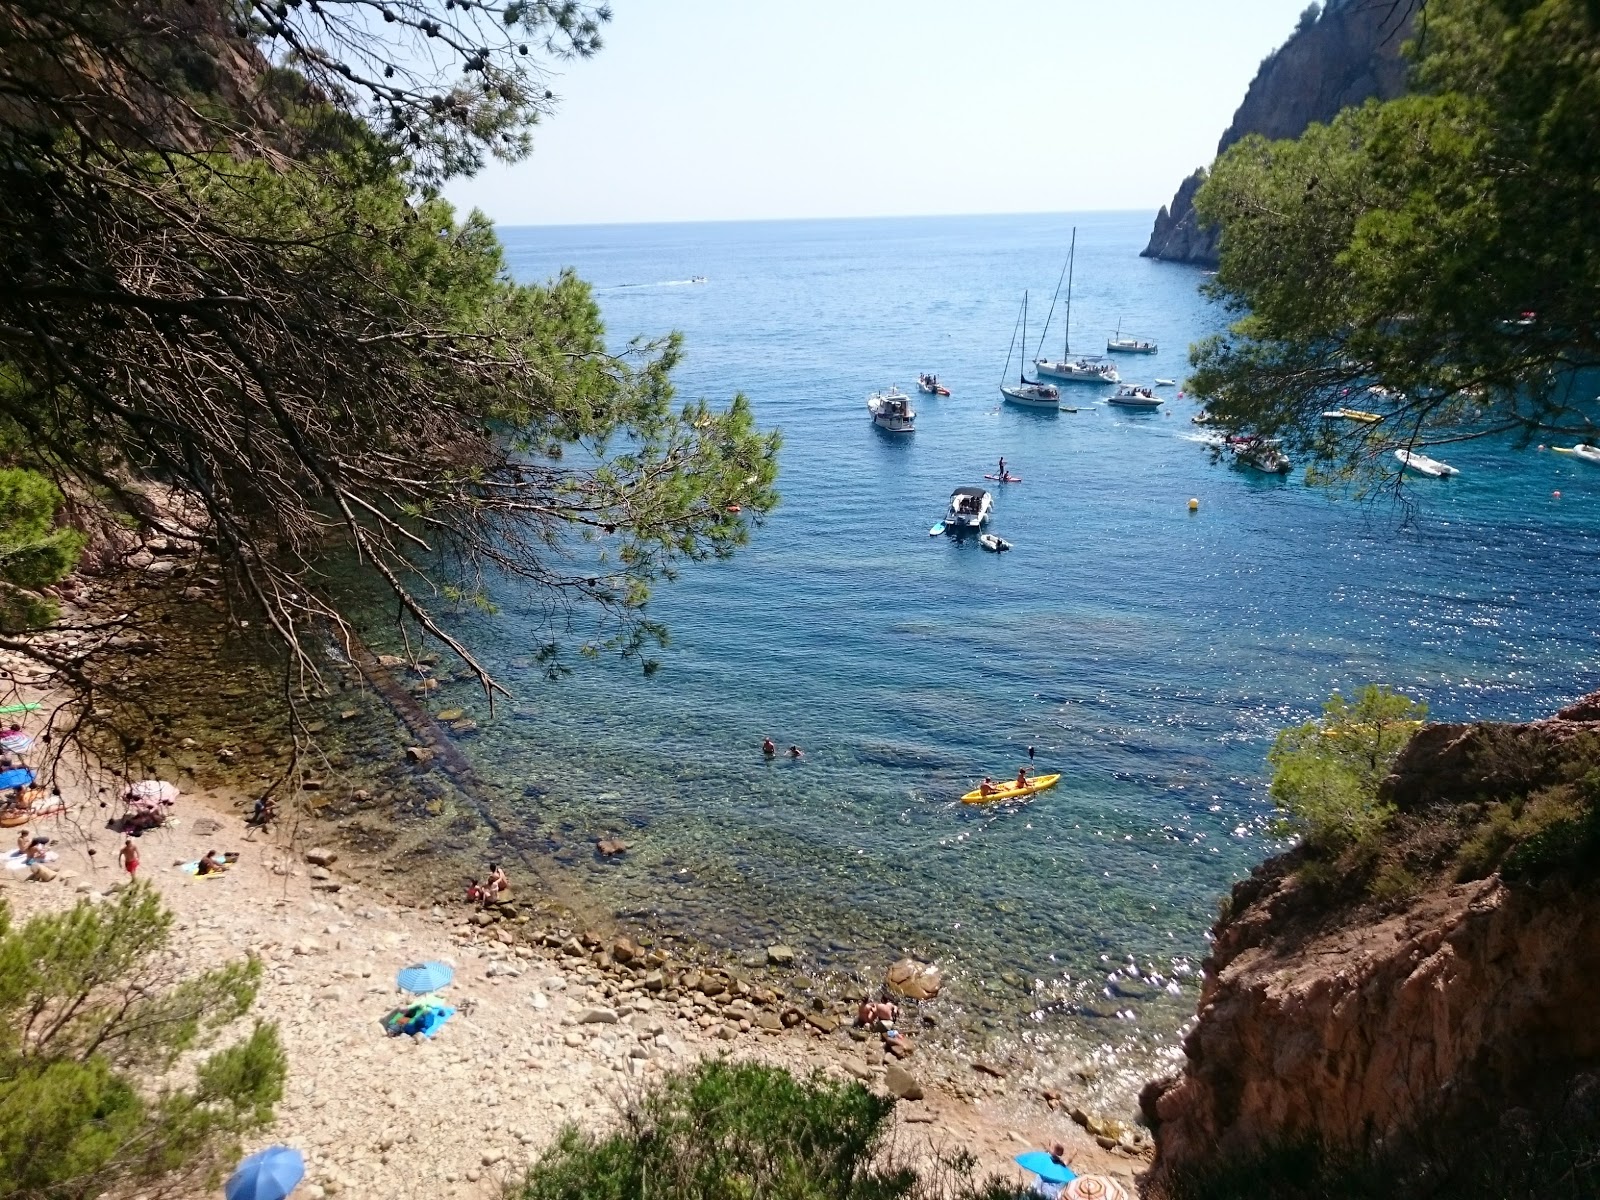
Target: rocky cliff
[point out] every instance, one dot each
(1453, 967)
(1350, 55)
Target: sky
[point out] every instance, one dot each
(704, 110)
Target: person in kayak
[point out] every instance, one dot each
(988, 787)
(1022, 777)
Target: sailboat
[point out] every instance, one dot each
(1090, 368)
(1030, 393)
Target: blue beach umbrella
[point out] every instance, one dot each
(15, 778)
(1045, 1167)
(269, 1174)
(424, 977)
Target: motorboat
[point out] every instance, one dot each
(1352, 414)
(1130, 395)
(1083, 368)
(1029, 393)
(993, 543)
(697, 279)
(969, 510)
(1259, 454)
(1166, 383)
(1117, 344)
(1201, 418)
(1423, 465)
(1581, 450)
(891, 411)
(931, 385)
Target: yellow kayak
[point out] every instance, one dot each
(1011, 791)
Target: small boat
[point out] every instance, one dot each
(1029, 393)
(931, 385)
(969, 510)
(891, 411)
(1201, 418)
(1423, 465)
(1010, 791)
(1259, 454)
(1352, 414)
(1083, 369)
(993, 543)
(1581, 450)
(1117, 344)
(697, 279)
(1166, 383)
(1130, 395)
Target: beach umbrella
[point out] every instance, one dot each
(152, 789)
(1094, 1187)
(424, 977)
(16, 742)
(269, 1174)
(15, 778)
(1045, 1167)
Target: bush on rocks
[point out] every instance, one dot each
(730, 1131)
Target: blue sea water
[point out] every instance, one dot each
(1147, 653)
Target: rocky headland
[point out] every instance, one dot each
(1349, 55)
(1422, 990)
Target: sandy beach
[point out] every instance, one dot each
(543, 1036)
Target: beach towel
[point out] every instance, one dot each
(15, 861)
(416, 1018)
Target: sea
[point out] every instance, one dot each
(1146, 649)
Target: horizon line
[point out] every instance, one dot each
(1088, 212)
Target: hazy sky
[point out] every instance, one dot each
(730, 109)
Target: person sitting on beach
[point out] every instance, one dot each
(211, 864)
(36, 851)
(22, 841)
(475, 893)
(497, 883)
(988, 787)
(881, 1014)
(768, 747)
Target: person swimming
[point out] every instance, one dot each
(796, 753)
(768, 747)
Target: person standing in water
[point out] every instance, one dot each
(769, 748)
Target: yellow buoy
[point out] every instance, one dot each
(1194, 504)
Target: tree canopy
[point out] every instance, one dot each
(1434, 257)
(230, 282)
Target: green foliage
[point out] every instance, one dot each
(1444, 246)
(34, 550)
(1326, 773)
(734, 1131)
(1525, 838)
(93, 1023)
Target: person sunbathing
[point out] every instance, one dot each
(211, 864)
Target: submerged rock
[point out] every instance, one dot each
(914, 980)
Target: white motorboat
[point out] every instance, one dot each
(931, 385)
(1581, 450)
(993, 543)
(1117, 344)
(1029, 393)
(1423, 465)
(1070, 368)
(1166, 383)
(1133, 396)
(1259, 454)
(891, 411)
(969, 510)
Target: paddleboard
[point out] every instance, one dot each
(1005, 478)
(936, 530)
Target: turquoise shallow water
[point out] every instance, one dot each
(1147, 653)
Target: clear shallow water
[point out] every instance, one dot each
(1147, 653)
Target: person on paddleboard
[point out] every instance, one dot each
(1002, 473)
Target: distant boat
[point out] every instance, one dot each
(1085, 368)
(891, 411)
(1581, 450)
(1129, 395)
(969, 510)
(1352, 414)
(1166, 383)
(1423, 465)
(931, 385)
(1259, 454)
(697, 279)
(1029, 393)
(1117, 344)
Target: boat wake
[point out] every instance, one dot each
(692, 281)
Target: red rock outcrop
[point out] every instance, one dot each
(1346, 1026)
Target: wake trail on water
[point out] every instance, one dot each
(660, 283)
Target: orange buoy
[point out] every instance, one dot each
(1194, 504)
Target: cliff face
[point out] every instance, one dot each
(1350, 55)
(1350, 1021)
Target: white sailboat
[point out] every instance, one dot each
(1085, 368)
(1029, 393)
(1117, 344)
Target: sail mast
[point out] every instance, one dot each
(1022, 367)
(1066, 332)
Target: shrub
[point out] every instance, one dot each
(1326, 773)
(736, 1131)
(93, 1023)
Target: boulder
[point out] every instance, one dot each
(610, 847)
(320, 856)
(780, 956)
(914, 980)
(626, 950)
(598, 1016)
(418, 754)
(901, 1083)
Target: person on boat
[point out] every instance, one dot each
(988, 787)
(769, 748)
(1022, 777)
(1002, 466)
(796, 753)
